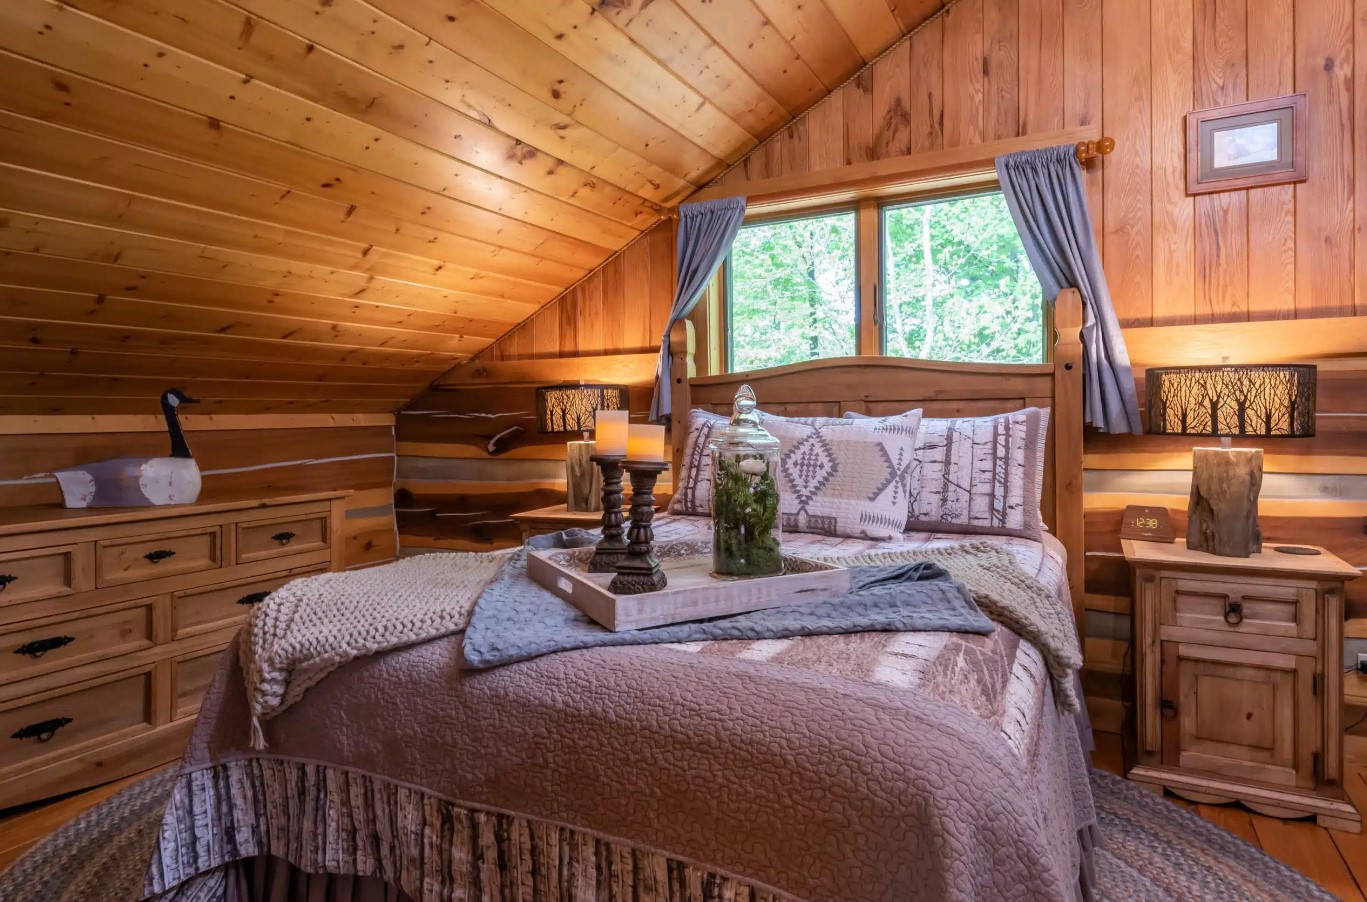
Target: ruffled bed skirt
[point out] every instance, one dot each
(271, 830)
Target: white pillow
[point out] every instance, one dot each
(841, 477)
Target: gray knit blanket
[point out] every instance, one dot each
(516, 619)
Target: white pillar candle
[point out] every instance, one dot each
(610, 432)
(646, 444)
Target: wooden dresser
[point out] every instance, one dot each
(1239, 679)
(112, 623)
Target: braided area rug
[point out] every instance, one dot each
(1153, 851)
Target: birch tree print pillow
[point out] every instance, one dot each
(979, 475)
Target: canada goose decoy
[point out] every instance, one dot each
(137, 481)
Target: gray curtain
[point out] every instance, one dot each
(706, 231)
(1044, 190)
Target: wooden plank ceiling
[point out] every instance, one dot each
(320, 205)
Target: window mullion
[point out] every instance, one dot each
(869, 312)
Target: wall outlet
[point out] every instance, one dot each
(1362, 662)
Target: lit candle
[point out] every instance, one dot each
(646, 444)
(610, 432)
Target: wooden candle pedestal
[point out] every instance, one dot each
(640, 570)
(612, 548)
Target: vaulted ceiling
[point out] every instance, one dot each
(322, 204)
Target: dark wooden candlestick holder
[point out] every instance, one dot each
(640, 570)
(612, 548)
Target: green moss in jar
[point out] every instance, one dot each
(745, 516)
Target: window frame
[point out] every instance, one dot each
(712, 318)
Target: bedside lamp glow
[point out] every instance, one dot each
(610, 433)
(646, 443)
(573, 408)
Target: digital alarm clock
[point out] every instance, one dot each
(1147, 524)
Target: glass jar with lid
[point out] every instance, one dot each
(745, 517)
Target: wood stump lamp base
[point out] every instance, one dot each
(1222, 516)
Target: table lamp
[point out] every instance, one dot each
(571, 408)
(1228, 401)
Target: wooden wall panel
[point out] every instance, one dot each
(393, 183)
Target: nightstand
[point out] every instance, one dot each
(545, 520)
(1239, 679)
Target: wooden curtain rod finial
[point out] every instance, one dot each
(1087, 151)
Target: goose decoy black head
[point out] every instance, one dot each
(175, 397)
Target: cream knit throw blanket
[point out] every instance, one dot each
(305, 630)
(1007, 595)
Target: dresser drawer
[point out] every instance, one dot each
(201, 610)
(1264, 608)
(34, 575)
(262, 539)
(57, 643)
(62, 722)
(193, 674)
(119, 561)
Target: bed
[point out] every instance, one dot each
(861, 766)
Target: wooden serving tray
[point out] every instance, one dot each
(693, 592)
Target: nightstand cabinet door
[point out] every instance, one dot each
(1247, 715)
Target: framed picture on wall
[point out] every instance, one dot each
(1246, 145)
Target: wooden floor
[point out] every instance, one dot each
(1337, 861)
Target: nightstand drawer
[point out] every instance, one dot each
(1264, 608)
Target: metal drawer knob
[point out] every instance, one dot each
(253, 598)
(1168, 709)
(39, 647)
(43, 731)
(161, 554)
(6, 579)
(283, 537)
(1234, 612)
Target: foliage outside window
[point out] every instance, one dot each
(792, 291)
(958, 285)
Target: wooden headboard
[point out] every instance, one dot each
(881, 386)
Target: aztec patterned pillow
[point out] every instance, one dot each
(978, 475)
(840, 477)
(693, 484)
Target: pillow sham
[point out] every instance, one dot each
(693, 484)
(839, 477)
(978, 475)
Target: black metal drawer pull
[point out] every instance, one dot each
(1234, 612)
(283, 537)
(1168, 708)
(43, 731)
(39, 647)
(159, 555)
(6, 579)
(254, 598)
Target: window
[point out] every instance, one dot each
(957, 283)
(791, 291)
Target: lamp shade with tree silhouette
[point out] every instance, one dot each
(1229, 401)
